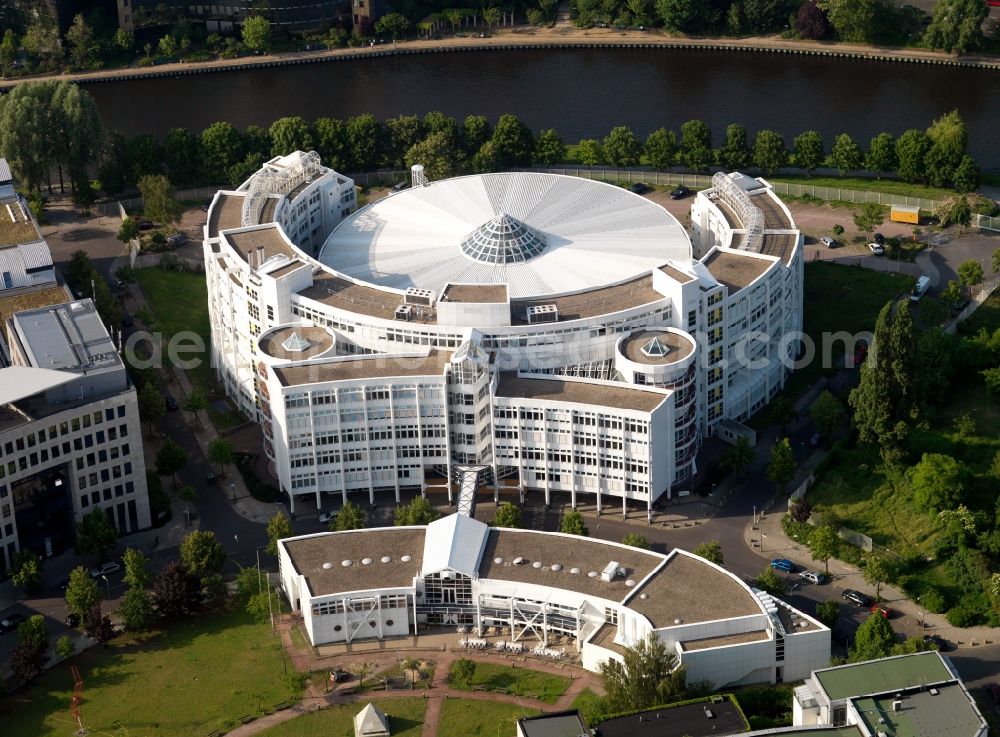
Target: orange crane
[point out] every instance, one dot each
(77, 698)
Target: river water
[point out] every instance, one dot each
(582, 93)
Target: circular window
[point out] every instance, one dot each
(337, 628)
(371, 623)
(388, 623)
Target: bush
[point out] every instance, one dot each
(934, 601)
(258, 489)
(766, 707)
(970, 611)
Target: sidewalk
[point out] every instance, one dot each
(236, 494)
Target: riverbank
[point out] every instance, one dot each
(524, 37)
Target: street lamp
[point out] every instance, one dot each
(108, 584)
(763, 537)
(237, 539)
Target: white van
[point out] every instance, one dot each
(923, 284)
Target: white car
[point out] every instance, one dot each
(814, 576)
(876, 249)
(104, 569)
(828, 241)
(326, 518)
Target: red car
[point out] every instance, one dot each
(885, 611)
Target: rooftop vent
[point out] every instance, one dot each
(556, 567)
(295, 343)
(643, 596)
(934, 692)
(404, 312)
(574, 569)
(498, 561)
(537, 564)
(366, 561)
(678, 621)
(347, 563)
(519, 561)
(655, 348)
(406, 559)
(610, 571)
(415, 296)
(630, 583)
(542, 313)
(592, 574)
(327, 566)
(386, 559)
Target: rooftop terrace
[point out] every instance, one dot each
(268, 238)
(475, 293)
(320, 341)
(365, 367)
(16, 226)
(344, 294)
(227, 213)
(580, 392)
(734, 270)
(592, 303)
(678, 347)
(879, 676)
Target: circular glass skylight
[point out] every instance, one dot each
(503, 240)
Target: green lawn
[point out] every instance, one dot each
(888, 186)
(202, 674)
(468, 718)
(519, 681)
(406, 719)
(179, 300)
(987, 316)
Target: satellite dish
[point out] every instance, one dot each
(327, 566)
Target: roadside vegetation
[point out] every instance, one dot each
(473, 675)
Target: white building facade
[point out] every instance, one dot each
(568, 332)
(540, 590)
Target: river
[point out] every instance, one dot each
(582, 93)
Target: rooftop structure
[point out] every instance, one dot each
(67, 337)
(555, 724)
(604, 394)
(657, 347)
(364, 367)
(708, 718)
(538, 233)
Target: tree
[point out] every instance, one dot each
(514, 143)
(330, 138)
(823, 545)
(881, 157)
(572, 524)
(202, 554)
(845, 155)
(152, 405)
(170, 459)
(769, 153)
(98, 626)
(970, 273)
(648, 674)
(508, 515)
(738, 458)
(967, 175)
(828, 612)
(26, 570)
(956, 26)
(476, 130)
(24, 123)
(838, 231)
(195, 403)
(175, 591)
(811, 22)
(782, 412)
(438, 153)
(32, 631)
(621, 147)
(660, 148)
(27, 661)
(290, 134)
(350, 517)
(8, 51)
(96, 535)
(410, 665)
(454, 16)
(136, 569)
(221, 147)
(129, 229)
(158, 199)
(220, 452)
(808, 146)
(362, 671)
(937, 482)
(80, 37)
(136, 610)
(65, 647)
(81, 592)
(590, 152)
(403, 132)
(854, 21)
(42, 42)
(549, 148)
(827, 414)
(636, 540)
(124, 41)
(735, 152)
(870, 217)
(167, 46)
(683, 15)
(710, 550)
(257, 34)
(696, 144)
(392, 24)
(768, 580)
(462, 671)
(873, 640)
(949, 137)
(957, 213)
(492, 17)
(873, 399)
(182, 156)
(911, 149)
(418, 512)
(364, 142)
(781, 466)
(877, 571)
(800, 510)
(278, 528)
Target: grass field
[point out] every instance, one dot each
(203, 674)
(468, 718)
(888, 186)
(987, 316)
(406, 719)
(518, 681)
(179, 300)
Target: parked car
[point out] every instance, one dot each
(104, 569)
(679, 192)
(639, 188)
(11, 622)
(857, 597)
(879, 238)
(882, 609)
(326, 518)
(994, 691)
(339, 676)
(783, 564)
(960, 305)
(877, 249)
(72, 620)
(171, 403)
(146, 225)
(815, 439)
(817, 577)
(176, 239)
(828, 241)
(937, 642)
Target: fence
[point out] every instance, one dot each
(981, 294)
(984, 222)
(801, 490)
(133, 204)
